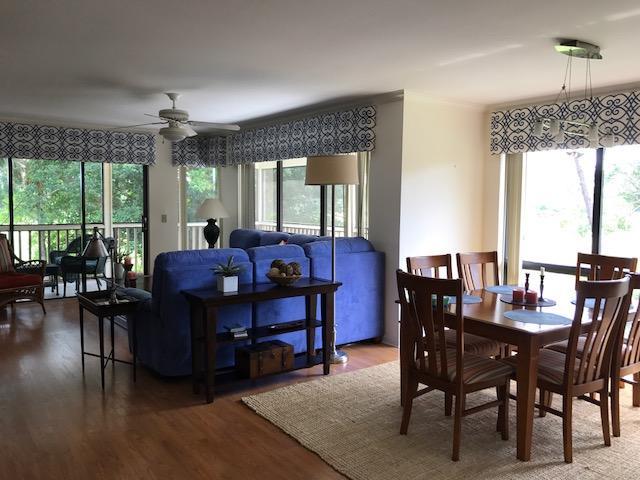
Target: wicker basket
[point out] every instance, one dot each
(284, 281)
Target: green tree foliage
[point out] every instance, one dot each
(201, 184)
(126, 181)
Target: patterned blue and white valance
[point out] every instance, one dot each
(200, 152)
(345, 131)
(21, 140)
(619, 114)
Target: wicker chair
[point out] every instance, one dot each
(19, 279)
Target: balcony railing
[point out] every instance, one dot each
(35, 242)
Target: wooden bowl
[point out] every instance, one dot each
(284, 281)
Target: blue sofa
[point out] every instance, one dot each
(163, 316)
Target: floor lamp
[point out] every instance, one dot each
(333, 170)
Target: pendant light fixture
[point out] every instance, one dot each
(580, 124)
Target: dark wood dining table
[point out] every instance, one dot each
(487, 319)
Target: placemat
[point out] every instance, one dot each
(541, 318)
(466, 299)
(501, 289)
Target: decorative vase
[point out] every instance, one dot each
(227, 284)
(211, 232)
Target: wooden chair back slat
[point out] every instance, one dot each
(631, 344)
(472, 269)
(604, 267)
(430, 265)
(423, 306)
(611, 302)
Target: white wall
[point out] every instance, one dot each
(384, 203)
(163, 200)
(427, 185)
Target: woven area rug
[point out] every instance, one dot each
(352, 422)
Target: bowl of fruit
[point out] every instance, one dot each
(284, 274)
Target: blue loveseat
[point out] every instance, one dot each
(163, 317)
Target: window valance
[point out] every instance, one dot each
(345, 131)
(512, 130)
(21, 140)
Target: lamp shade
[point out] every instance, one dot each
(95, 248)
(332, 170)
(212, 208)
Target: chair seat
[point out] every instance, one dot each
(475, 344)
(9, 280)
(476, 369)
(550, 365)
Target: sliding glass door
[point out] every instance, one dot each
(45, 205)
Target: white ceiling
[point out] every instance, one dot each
(107, 61)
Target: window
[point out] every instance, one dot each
(284, 203)
(266, 203)
(579, 201)
(300, 202)
(620, 228)
(198, 185)
(93, 191)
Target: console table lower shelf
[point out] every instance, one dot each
(204, 304)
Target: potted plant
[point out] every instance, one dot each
(119, 266)
(227, 274)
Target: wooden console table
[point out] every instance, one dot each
(204, 305)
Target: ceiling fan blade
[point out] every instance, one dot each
(190, 131)
(218, 126)
(139, 125)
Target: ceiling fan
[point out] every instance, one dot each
(178, 124)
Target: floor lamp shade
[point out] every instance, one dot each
(210, 210)
(332, 170)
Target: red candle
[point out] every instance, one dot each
(531, 297)
(518, 295)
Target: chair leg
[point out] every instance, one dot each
(604, 415)
(457, 426)
(615, 409)
(411, 388)
(448, 404)
(636, 390)
(546, 398)
(567, 439)
(502, 425)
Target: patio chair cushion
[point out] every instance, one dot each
(6, 259)
(10, 280)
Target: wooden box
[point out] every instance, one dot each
(255, 361)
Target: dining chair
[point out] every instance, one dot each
(472, 269)
(436, 364)
(603, 267)
(572, 374)
(430, 266)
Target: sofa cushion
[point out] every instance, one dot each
(343, 245)
(271, 252)
(245, 238)
(273, 238)
(15, 279)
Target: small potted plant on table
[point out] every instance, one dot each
(227, 274)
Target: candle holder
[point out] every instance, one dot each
(526, 283)
(541, 288)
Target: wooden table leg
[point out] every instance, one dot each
(113, 342)
(196, 348)
(210, 322)
(81, 312)
(135, 344)
(327, 330)
(310, 314)
(526, 375)
(101, 335)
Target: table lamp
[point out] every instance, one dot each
(96, 249)
(333, 170)
(211, 210)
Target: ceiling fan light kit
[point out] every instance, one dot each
(179, 126)
(560, 128)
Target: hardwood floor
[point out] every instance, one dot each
(55, 424)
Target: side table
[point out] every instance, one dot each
(98, 303)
